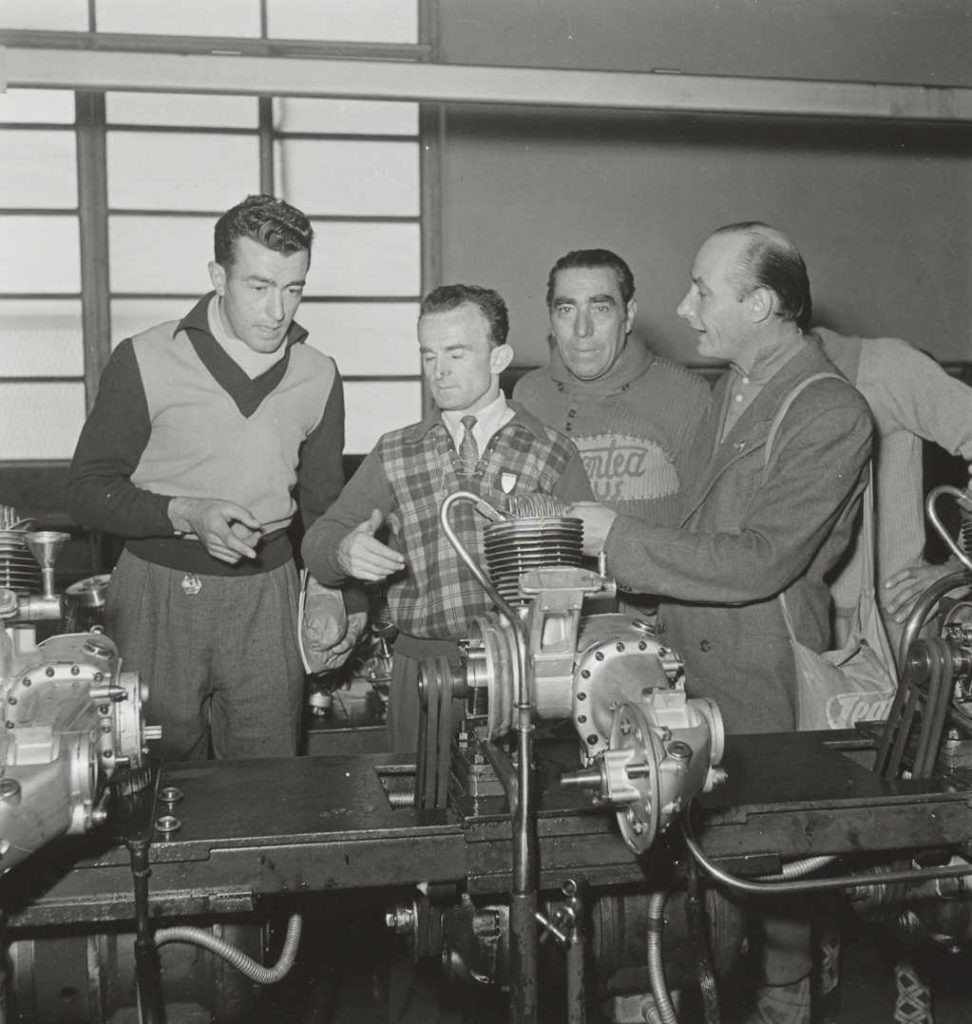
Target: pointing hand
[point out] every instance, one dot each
(364, 557)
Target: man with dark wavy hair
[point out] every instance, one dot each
(206, 435)
(631, 413)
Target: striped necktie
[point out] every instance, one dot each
(468, 449)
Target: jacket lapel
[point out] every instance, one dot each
(749, 432)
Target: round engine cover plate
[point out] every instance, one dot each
(635, 755)
(618, 658)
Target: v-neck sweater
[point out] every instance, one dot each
(177, 417)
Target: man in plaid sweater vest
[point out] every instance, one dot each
(398, 489)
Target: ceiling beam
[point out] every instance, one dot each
(38, 67)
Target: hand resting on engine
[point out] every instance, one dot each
(598, 520)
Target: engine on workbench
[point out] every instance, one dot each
(72, 717)
(547, 654)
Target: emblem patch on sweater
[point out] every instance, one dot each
(626, 468)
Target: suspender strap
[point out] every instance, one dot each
(867, 526)
(785, 407)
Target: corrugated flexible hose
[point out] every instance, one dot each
(236, 957)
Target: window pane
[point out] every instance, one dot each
(39, 254)
(185, 172)
(374, 21)
(365, 339)
(373, 409)
(167, 108)
(366, 259)
(131, 316)
(180, 17)
(41, 339)
(351, 178)
(38, 169)
(344, 117)
(54, 106)
(62, 15)
(40, 421)
(160, 254)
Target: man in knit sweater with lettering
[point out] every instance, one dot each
(472, 440)
(202, 432)
(632, 414)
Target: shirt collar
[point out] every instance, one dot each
(488, 419)
(417, 432)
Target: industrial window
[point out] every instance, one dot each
(171, 164)
(41, 340)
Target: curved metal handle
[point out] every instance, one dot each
(964, 498)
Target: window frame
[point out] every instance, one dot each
(93, 211)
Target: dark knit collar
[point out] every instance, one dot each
(198, 319)
(635, 360)
(247, 393)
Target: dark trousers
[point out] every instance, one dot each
(222, 665)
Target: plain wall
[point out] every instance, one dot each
(922, 42)
(881, 212)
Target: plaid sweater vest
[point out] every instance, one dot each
(438, 595)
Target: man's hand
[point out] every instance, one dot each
(226, 530)
(903, 588)
(364, 557)
(598, 520)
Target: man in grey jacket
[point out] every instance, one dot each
(750, 528)
(754, 523)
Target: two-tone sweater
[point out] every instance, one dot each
(175, 416)
(633, 426)
(407, 476)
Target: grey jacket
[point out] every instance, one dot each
(750, 531)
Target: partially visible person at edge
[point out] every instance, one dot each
(202, 432)
(632, 414)
(471, 440)
(913, 400)
(751, 529)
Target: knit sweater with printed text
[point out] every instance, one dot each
(633, 426)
